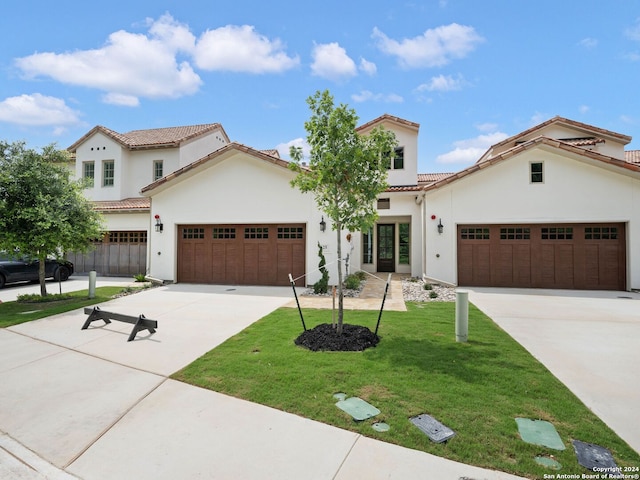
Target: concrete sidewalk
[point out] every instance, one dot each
(87, 403)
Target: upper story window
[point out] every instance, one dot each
(398, 159)
(108, 173)
(157, 170)
(384, 203)
(536, 172)
(88, 173)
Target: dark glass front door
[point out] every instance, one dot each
(386, 248)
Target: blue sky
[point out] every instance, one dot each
(469, 72)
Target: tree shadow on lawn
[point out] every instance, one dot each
(471, 362)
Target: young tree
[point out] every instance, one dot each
(43, 212)
(346, 172)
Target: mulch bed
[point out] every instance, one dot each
(354, 338)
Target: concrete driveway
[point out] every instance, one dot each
(588, 340)
(89, 404)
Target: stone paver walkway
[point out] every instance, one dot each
(370, 298)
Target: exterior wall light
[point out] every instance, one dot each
(440, 226)
(323, 224)
(159, 225)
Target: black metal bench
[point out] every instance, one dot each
(139, 322)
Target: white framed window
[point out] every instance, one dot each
(89, 173)
(157, 170)
(108, 173)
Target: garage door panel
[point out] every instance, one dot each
(245, 254)
(578, 256)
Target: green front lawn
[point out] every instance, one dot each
(13, 313)
(475, 388)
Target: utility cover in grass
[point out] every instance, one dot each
(548, 462)
(358, 408)
(594, 456)
(432, 428)
(539, 432)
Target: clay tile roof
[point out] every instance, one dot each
(432, 177)
(632, 156)
(582, 142)
(404, 188)
(152, 138)
(128, 205)
(166, 136)
(273, 152)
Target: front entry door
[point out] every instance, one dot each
(386, 248)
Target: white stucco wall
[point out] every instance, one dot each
(200, 147)
(138, 168)
(238, 188)
(573, 191)
(97, 149)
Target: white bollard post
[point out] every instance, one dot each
(92, 284)
(462, 315)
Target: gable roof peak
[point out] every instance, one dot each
(389, 118)
(154, 137)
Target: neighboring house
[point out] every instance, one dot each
(116, 166)
(555, 206)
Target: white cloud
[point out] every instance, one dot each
(583, 109)
(588, 42)
(37, 110)
(284, 148)
(121, 99)
(470, 150)
(367, 67)
(128, 64)
(487, 127)
(368, 96)
(158, 64)
(331, 61)
(434, 48)
(537, 118)
(241, 49)
(443, 84)
(633, 33)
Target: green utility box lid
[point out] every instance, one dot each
(539, 432)
(358, 408)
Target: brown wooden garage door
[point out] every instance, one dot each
(574, 256)
(241, 254)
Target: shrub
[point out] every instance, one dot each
(352, 282)
(428, 286)
(361, 275)
(37, 298)
(140, 277)
(433, 294)
(322, 285)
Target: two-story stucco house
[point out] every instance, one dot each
(116, 166)
(555, 206)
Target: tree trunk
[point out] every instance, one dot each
(340, 292)
(41, 273)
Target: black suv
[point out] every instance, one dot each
(19, 269)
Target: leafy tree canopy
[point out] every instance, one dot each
(43, 212)
(347, 171)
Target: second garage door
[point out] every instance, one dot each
(573, 256)
(241, 254)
